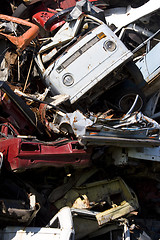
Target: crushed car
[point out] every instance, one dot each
(58, 63)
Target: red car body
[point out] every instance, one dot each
(20, 154)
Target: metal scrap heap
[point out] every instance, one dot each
(80, 119)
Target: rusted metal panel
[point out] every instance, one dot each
(20, 41)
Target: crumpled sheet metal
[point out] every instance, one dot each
(128, 121)
(77, 121)
(131, 129)
(65, 34)
(134, 125)
(22, 41)
(135, 130)
(138, 117)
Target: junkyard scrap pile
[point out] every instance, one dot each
(79, 119)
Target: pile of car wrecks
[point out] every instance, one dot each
(80, 119)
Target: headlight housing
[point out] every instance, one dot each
(68, 80)
(110, 46)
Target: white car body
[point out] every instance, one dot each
(65, 231)
(123, 16)
(149, 64)
(86, 63)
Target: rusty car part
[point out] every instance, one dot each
(130, 127)
(7, 130)
(39, 167)
(20, 41)
(51, 105)
(113, 195)
(18, 112)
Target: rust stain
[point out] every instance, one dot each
(22, 41)
(75, 119)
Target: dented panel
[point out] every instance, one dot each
(21, 154)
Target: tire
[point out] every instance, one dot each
(135, 73)
(127, 96)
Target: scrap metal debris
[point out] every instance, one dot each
(80, 119)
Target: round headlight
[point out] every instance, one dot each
(68, 80)
(110, 46)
